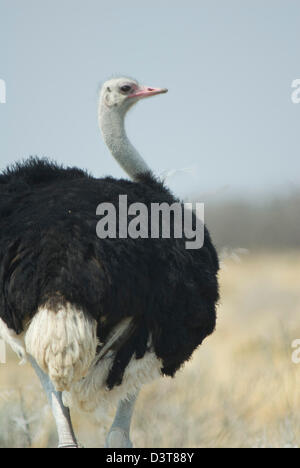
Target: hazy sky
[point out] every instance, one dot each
(228, 64)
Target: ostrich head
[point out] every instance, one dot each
(116, 97)
(122, 93)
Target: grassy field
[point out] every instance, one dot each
(241, 389)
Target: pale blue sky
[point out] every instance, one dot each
(228, 64)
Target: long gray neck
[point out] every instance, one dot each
(112, 126)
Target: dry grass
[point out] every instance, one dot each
(240, 390)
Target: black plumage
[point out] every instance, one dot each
(50, 254)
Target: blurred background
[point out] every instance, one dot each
(227, 133)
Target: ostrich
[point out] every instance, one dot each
(98, 318)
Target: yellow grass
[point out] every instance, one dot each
(241, 389)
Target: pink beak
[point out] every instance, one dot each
(144, 91)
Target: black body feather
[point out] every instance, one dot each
(49, 253)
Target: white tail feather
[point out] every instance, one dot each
(11, 338)
(63, 343)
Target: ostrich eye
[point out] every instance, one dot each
(125, 89)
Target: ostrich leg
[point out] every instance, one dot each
(118, 436)
(66, 436)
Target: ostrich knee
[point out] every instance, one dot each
(119, 434)
(61, 414)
